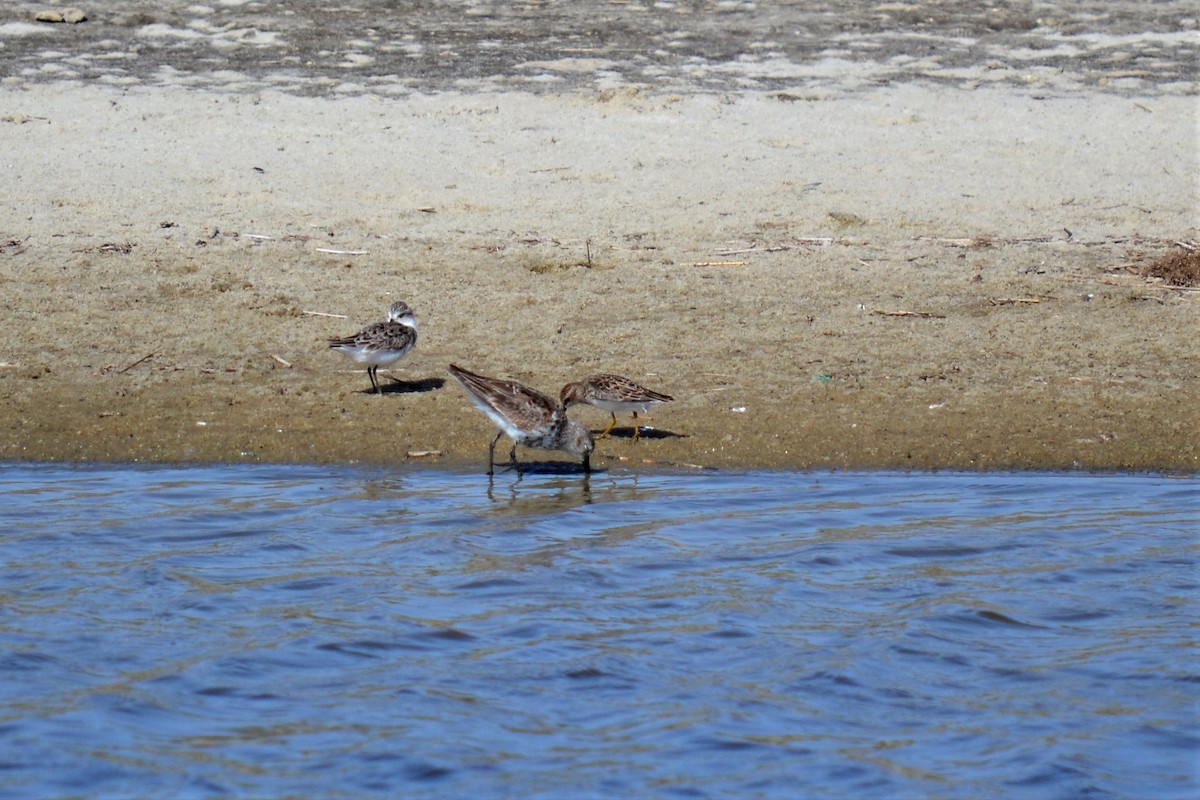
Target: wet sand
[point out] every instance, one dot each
(910, 274)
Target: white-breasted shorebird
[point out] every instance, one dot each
(383, 343)
(613, 393)
(526, 416)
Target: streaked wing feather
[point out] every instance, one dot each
(523, 408)
(389, 336)
(621, 389)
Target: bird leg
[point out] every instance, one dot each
(637, 431)
(611, 425)
(492, 453)
(374, 380)
(512, 457)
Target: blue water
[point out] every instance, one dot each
(318, 632)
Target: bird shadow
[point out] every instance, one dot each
(397, 386)
(545, 468)
(647, 433)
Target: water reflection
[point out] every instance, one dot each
(567, 491)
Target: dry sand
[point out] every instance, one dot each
(911, 274)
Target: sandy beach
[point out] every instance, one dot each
(828, 260)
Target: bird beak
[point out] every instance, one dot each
(587, 463)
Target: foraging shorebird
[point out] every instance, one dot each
(613, 393)
(526, 416)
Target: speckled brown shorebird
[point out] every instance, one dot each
(613, 393)
(382, 343)
(526, 416)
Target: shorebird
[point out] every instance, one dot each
(526, 416)
(613, 393)
(383, 343)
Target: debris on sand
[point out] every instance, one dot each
(1179, 267)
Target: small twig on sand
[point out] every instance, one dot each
(1089, 379)
(281, 360)
(425, 453)
(128, 367)
(973, 242)
(342, 252)
(919, 314)
(323, 314)
(721, 264)
(1008, 301)
(778, 247)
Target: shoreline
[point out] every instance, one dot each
(885, 280)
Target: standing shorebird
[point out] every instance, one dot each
(383, 343)
(526, 416)
(613, 393)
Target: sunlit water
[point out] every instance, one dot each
(312, 632)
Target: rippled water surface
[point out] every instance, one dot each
(311, 632)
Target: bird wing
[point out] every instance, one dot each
(511, 405)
